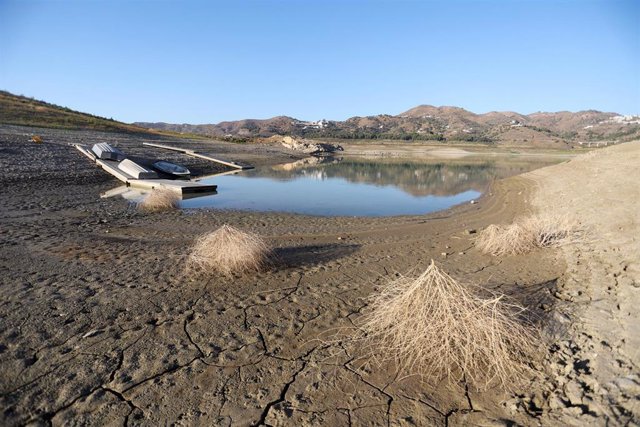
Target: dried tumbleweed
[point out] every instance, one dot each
(160, 200)
(526, 234)
(228, 250)
(434, 327)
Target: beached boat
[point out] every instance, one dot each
(135, 170)
(178, 171)
(104, 151)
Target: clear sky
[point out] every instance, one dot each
(207, 61)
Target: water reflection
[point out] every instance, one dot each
(361, 187)
(418, 178)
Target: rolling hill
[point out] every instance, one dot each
(427, 122)
(21, 110)
(421, 123)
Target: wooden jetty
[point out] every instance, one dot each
(215, 175)
(193, 153)
(179, 186)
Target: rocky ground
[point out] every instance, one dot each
(102, 325)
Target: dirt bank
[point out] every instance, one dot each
(101, 325)
(596, 362)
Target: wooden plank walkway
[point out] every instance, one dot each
(179, 186)
(193, 153)
(214, 175)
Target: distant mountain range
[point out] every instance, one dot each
(427, 122)
(422, 123)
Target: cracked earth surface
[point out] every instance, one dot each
(101, 325)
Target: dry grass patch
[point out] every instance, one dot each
(435, 327)
(526, 234)
(159, 201)
(554, 231)
(502, 240)
(587, 156)
(229, 250)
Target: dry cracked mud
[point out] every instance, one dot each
(102, 325)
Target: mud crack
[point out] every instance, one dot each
(281, 398)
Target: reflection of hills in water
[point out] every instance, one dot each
(417, 178)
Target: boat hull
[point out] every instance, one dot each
(178, 171)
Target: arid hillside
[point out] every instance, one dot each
(428, 123)
(423, 123)
(24, 111)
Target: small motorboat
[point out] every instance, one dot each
(172, 169)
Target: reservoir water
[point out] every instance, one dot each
(360, 187)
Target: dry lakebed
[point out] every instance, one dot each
(103, 325)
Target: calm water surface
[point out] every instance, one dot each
(358, 187)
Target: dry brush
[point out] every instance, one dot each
(437, 328)
(160, 201)
(526, 234)
(228, 250)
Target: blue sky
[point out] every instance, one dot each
(205, 61)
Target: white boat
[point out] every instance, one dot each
(104, 151)
(172, 169)
(135, 170)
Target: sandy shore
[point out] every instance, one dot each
(100, 324)
(595, 363)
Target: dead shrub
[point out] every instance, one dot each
(435, 327)
(553, 231)
(228, 250)
(159, 201)
(502, 240)
(526, 234)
